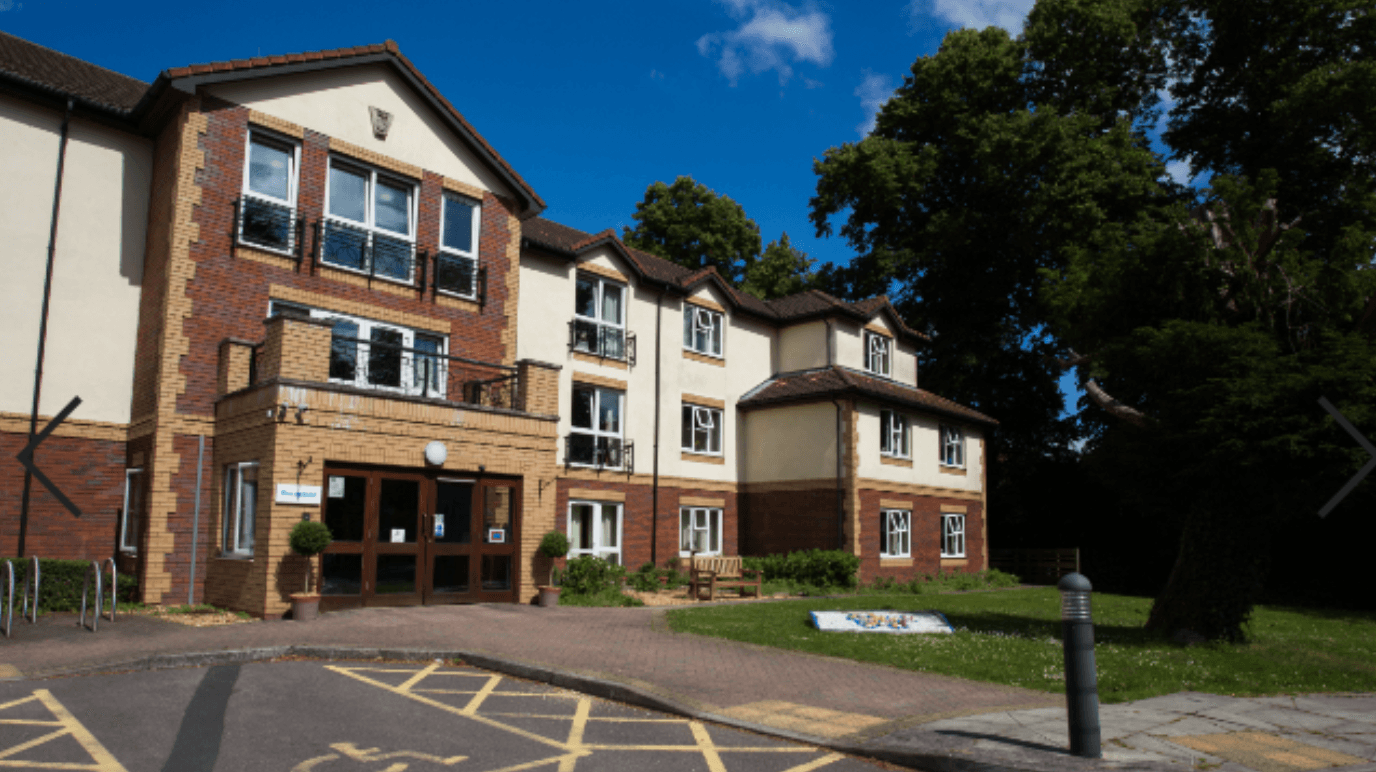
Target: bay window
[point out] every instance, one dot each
(699, 531)
(895, 533)
(456, 266)
(599, 317)
(595, 437)
(241, 508)
(878, 354)
(267, 216)
(702, 330)
(369, 222)
(701, 429)
(595, 529)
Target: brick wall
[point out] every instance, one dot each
(89, 471)
(925, 538)
(783, 521)
(637, 522)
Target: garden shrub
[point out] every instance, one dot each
(819, 568)
(645, 579)
(60, 583)
(589, 575)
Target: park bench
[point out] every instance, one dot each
(713, 572)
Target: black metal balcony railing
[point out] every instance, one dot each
(600, 452)
(268, 225)
(602, 340)
(458, 275)
(366, 251)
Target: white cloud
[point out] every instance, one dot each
(873, 91)
(770, 36)
(1009, 14)
(1179, 171)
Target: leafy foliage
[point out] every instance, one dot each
(687, 223)
(589, 575)
(309, 538)
(818, 568)
(60, 583)
(782, 270)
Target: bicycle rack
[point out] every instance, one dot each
(31, 580)
(113, 587)
(8, 598)
(93, 571)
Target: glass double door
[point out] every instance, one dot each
(406, 538)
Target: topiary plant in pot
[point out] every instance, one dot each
(308, 539)
(553, 545)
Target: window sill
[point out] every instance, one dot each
(703, 458)
(895, 562)
(896, 461)
(953, 561)
(235, 558)
(689, 555)
(704, 358)
(885, 376)
(286, 253)
(959, 471)
(444, 293)
(597, 359)
(593, 467)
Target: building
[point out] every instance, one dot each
(305, 287)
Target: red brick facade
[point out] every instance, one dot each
(779, 522)
(90, 472)
(637, 523)
(925, 537)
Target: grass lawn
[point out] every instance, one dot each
(1013, 637)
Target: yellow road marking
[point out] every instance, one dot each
(34, 742)
(817, 763)
(471, 709)
(418, 677)
(708, 748)
(575, 741)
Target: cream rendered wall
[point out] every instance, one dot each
(335, 102)
(98, 269)
(850, 346)
(793, 442)
(926, 470)
(905, 365)
(803, 347)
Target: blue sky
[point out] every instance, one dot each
(590, 102)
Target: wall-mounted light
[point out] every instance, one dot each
(436, 453)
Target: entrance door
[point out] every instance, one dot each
(402, 538)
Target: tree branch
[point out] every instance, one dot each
(1112, 406)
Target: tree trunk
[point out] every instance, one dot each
(1217, 577)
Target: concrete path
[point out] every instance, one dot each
(919, 720)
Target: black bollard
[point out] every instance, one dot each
(1081, 680)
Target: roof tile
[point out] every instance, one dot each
(68, 75)
(829, 381)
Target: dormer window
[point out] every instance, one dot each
(879, 354)
(369, 223)
(702, 330)
(267, 217)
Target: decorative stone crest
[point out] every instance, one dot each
(382, 121)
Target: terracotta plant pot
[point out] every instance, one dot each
(549, 597)
(305, 606)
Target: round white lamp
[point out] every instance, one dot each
(436, 453)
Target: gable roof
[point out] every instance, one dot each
(834, 381)
(29, 64)
(571, 242)
(58, 74)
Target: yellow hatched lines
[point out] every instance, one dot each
(65, 725)
(574, 746)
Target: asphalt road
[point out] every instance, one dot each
(311, 716)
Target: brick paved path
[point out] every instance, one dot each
(629, 646)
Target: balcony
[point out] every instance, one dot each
(599, 452)
(305, 351)
(601, 340)
(268, 225)
(366, 251)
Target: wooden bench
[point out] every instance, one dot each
(713, 572)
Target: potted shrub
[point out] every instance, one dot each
(554, 545)
(308, 539)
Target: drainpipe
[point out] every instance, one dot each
(654, 485)
(840, 468)
(43, 321)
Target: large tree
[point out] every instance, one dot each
(689, 224)
(1010, 192)
(782, 270)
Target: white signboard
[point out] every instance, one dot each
(881, 622)
(336, 487)
(398, 535)
(290, 493)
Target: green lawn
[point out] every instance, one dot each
(1013, 637)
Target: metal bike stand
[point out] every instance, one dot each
(113, 587)
(32, 580)
(93, 571)
(9, 598)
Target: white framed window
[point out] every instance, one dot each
(370, 222)
(456, 266)
(702, 330)
(241, 508)
(952, 446)
(595, 529)
(377, 355)
(699, 531)
(595, 435)
(893, 434)
(952, 535)
(131, 519)
(895, 533)
(267, 214)
(702, 427)
(878, 354)
(599, 317)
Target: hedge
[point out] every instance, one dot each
(819, 568)
(60, 583)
